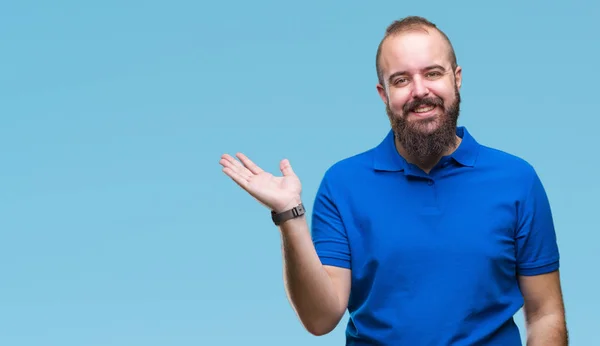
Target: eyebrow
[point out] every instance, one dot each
(428, 68)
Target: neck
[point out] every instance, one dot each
(426, 163)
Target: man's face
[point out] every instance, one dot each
(421, 91)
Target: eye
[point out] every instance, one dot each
(398, 81)
(433, 74)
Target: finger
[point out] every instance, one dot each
(286, 167)
(249, 164)
(235, 165)
(235, 170)
(236, 177)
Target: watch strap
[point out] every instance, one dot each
(293, 213)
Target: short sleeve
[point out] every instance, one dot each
(328, 232)
(537, 248)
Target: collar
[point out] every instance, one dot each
(386, 157)
(468, 150)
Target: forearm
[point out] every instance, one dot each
(309, 288)
(548, 330)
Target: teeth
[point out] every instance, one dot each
(423, 109)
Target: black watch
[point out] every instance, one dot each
(293, 213)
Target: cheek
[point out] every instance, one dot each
(397, 101)
(445, 92)
(448, 98)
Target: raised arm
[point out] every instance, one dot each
(318, 294)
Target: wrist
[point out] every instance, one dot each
(293, 223)
(294, 202)
(293, 210)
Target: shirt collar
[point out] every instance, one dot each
(468, 150)
(386, 157)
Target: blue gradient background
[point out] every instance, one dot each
(117, 226)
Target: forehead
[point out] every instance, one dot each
(413, 51)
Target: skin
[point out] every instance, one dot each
(318, 294)
(544, 310)
(416, 64)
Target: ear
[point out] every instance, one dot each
(458, 76)
(382, 93)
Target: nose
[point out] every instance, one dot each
(419, 88)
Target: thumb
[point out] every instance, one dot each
(286, 168)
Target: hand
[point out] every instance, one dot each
(276, 193)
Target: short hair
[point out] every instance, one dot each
(410, 23)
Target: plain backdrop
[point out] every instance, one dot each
(117, 226)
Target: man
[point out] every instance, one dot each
(430, 238)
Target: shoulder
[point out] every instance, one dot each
(510, 171)
(342, 177)
(351, 167)
(357, 162)
(503, 161)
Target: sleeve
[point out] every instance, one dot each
(537, 249)
(328, 232)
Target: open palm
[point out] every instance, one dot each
(276, 193)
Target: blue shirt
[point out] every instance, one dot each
(434, 257)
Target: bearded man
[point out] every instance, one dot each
(429, 238)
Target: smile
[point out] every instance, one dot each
(424, 111)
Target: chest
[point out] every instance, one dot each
(435, 226)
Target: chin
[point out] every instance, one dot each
(427, 129)
(426, 125)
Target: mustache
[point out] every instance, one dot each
(430, 101)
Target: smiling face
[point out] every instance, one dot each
(421, 91)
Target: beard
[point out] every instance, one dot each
(430, 138)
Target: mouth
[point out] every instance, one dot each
(424, 111)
